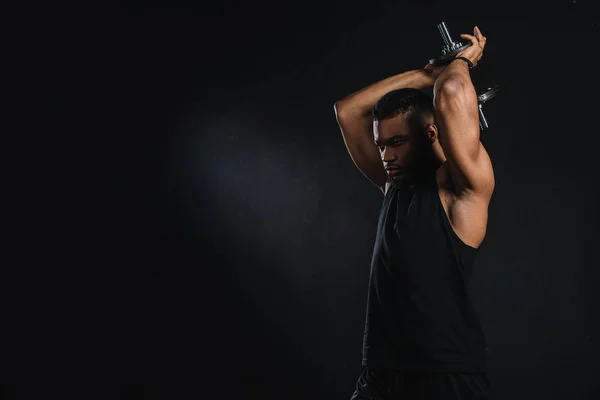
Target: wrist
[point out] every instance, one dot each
(429, 75)
(464, 60)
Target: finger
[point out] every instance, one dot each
(482, 43)
(472, 38)
(482, 39)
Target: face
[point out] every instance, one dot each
(404, 149)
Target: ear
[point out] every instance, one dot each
(431, 131)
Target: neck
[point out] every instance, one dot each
(424, 174)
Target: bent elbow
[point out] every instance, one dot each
(451, 92)
(338, 109)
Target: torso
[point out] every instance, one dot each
(467, 215)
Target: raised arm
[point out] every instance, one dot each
(353, 114)
(457, 117)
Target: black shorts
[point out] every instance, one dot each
(380, 384)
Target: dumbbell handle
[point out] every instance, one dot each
(482, 121)
(445, 35)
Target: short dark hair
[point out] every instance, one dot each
(413, 102)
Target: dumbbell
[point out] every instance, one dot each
(482, 98)
(449, 51)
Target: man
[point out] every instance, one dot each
(423, 339)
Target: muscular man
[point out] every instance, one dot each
(423, 338)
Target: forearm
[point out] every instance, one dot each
(361, 102)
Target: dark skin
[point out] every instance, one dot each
(461, 165)
(408, 152)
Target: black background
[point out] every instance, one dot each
(188, 223)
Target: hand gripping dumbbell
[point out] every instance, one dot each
(449, 51)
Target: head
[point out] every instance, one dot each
(404, 130)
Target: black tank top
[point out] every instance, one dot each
(419, 313)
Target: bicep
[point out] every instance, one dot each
(457, 118)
